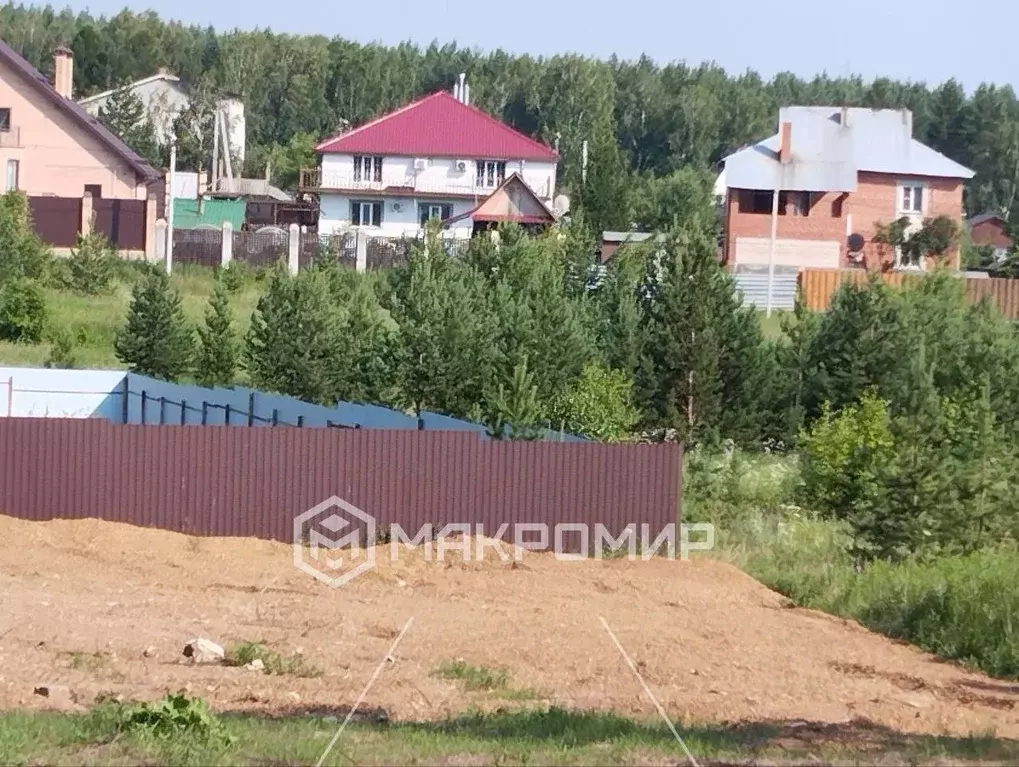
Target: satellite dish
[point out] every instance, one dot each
(854, 245)
(561, 204)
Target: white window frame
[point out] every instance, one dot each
(11, 179)
(368, 205)
(900, 200)
(435, 210)
(368, 169)
(489, 174)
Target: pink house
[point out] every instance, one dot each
(49, 145)
(75, 173)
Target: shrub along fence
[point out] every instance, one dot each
(818, 287)
(254, 482)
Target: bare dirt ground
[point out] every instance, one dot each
(713, 644)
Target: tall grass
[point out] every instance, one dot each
(958, 607)
(92, 322)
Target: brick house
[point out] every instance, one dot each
(991, 230)
(797, 198)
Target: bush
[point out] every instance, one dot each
(844, 456)
(237, 274)
(599, 405)
(935, 481)
(61, 354)
(173, 716)
(92, 266)
(22, 311)
(22, 253)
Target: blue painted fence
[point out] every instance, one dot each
(127, 398)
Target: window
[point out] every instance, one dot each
(911, 198)
(366, 213)
(491, 173)
(96, 190)
(5, 119)
(794, 203)
(13, 168)
(427, 211)
(367, 168)
(754, 201)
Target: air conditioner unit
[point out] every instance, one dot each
(397, 206)
(461, 166)
(420, 163)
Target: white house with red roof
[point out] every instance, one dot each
(436, 158)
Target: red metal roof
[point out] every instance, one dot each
(439, 126)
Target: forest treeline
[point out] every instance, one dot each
(644, 121)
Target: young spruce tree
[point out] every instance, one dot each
(294, 345)
(217, 344)
(156, 341)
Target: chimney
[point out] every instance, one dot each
(461, 88)
(907, 122)
(844, 121)
(785, 143)
(63, 71)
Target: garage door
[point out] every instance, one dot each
(817, 254)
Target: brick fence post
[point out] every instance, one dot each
(294, 253)
(86, 215)
(361, 264)
(151, 243)
(227, 245)
(159, 256)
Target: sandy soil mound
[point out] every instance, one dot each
(713, 644)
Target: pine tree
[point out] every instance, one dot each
(702, 360)
(124, 114)
(295, 344)
(514, 410)
(216, 364)
(156, 341)
(368, 372)
(447, 339)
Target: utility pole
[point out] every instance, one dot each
(169, 207)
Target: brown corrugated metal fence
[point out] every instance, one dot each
(56, 220)
(253, 482)
(122, 221)
(818, 288)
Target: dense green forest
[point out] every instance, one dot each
(641, 118)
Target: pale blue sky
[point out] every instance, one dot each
(906, 39)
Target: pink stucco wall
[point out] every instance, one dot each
(57, 157)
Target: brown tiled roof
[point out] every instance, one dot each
(145, 172)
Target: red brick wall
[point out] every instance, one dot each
(875, 200)
(990, 233)
(819, 225)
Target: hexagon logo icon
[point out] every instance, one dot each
(334, 526)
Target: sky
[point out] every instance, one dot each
(928, 41)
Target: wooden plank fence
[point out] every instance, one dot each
(818, 287)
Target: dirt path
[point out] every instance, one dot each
(713, 644)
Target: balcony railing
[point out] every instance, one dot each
(10, 138)
(314, 179)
